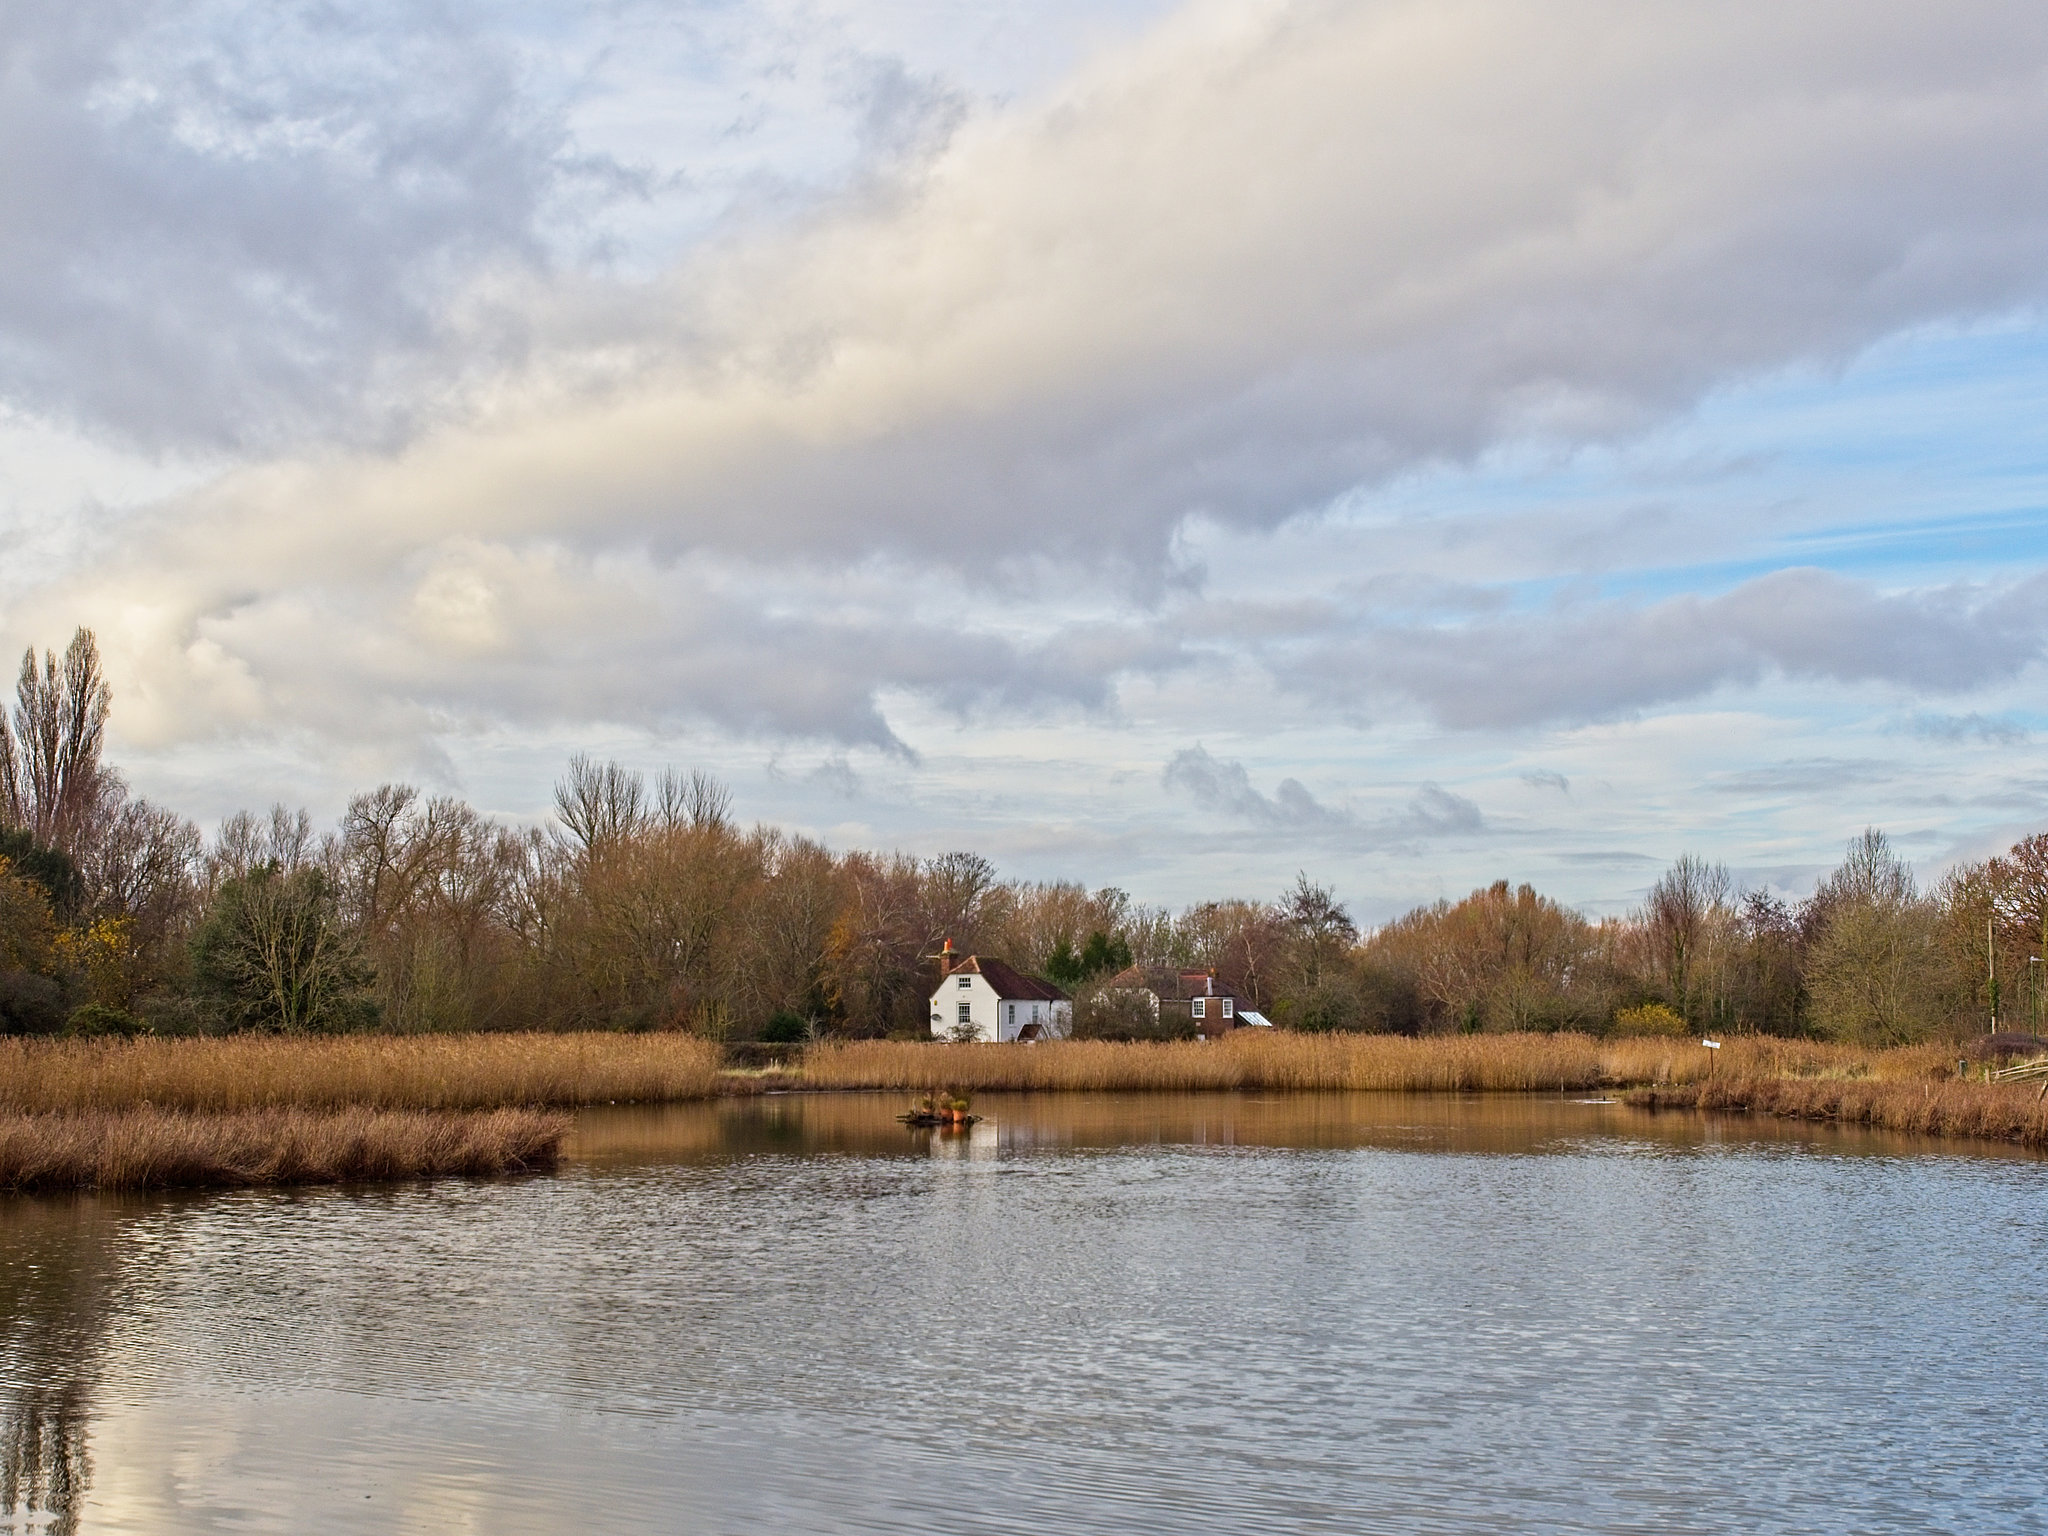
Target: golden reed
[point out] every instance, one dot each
(1387, 1063)
(423, 1072)
(1997, 1111)
(134, 1149)
(451, 1072)
(1244, 1060)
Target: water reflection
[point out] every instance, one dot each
(1202, 1313)
(1016, 1125)
(57, 1269)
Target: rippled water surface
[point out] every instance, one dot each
(1093, 1313)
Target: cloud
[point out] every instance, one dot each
(1805, 776)
(1250, 261)
(1602, 659)
(1225, 788)
(836, 776)
(475, 635)
(1932, 726)
(1548, 778)
(260, 224)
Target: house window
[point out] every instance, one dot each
(1228, 1007)
(1198, 1005)
(967, 1013)
(966, 981)
(1013, 1013)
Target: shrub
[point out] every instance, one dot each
(30, 1004)
(1123, 1013)
(785, 1028)
(273, 956)
(99, 1019)
(1649, 1019)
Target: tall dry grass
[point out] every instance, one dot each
(1243, 1060)
(462, 1072)
(423, 1072)
(1394, 1063)
(1998, 1111)
(158, 1149)
(1648, 1060)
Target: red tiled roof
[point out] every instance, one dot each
(1168, 983)
(1011, 984)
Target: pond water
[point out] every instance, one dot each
(1091, 1313)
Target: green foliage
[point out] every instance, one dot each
(271, 955)
(99, 1019)
(1063, 966)
(1104, 955)
(785, 1028)
(54, 872)
(1101, 954)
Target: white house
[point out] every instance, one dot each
(996, 1002)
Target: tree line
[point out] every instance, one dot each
(646, 905)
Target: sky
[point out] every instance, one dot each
(1413, 442)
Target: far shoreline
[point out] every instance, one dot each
(196, 1112)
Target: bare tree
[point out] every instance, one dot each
(51, 782)
(1685, 908)
(695, 799)
(600, 805)
(962, 898)
(1875, 970)
(1320, 924)
(282, 840)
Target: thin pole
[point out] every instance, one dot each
(1991, 973)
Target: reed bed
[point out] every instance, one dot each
(1390, 1063)
(1996, 1111)
(1394, 1063)
(1658, 1060)
(139, 1149)
(394, 1072)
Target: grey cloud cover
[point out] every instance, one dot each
(1598, 660)
(1254, 259)
(1225, 788)
(252, 223)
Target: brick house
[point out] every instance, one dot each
(1192, 997)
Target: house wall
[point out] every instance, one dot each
(996, 1018)
(1056, 1019)
(1181, 1010)
(980, 999)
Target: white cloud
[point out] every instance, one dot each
(1229, 270)
(940, 431)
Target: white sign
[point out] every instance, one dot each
(1712, 1045)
